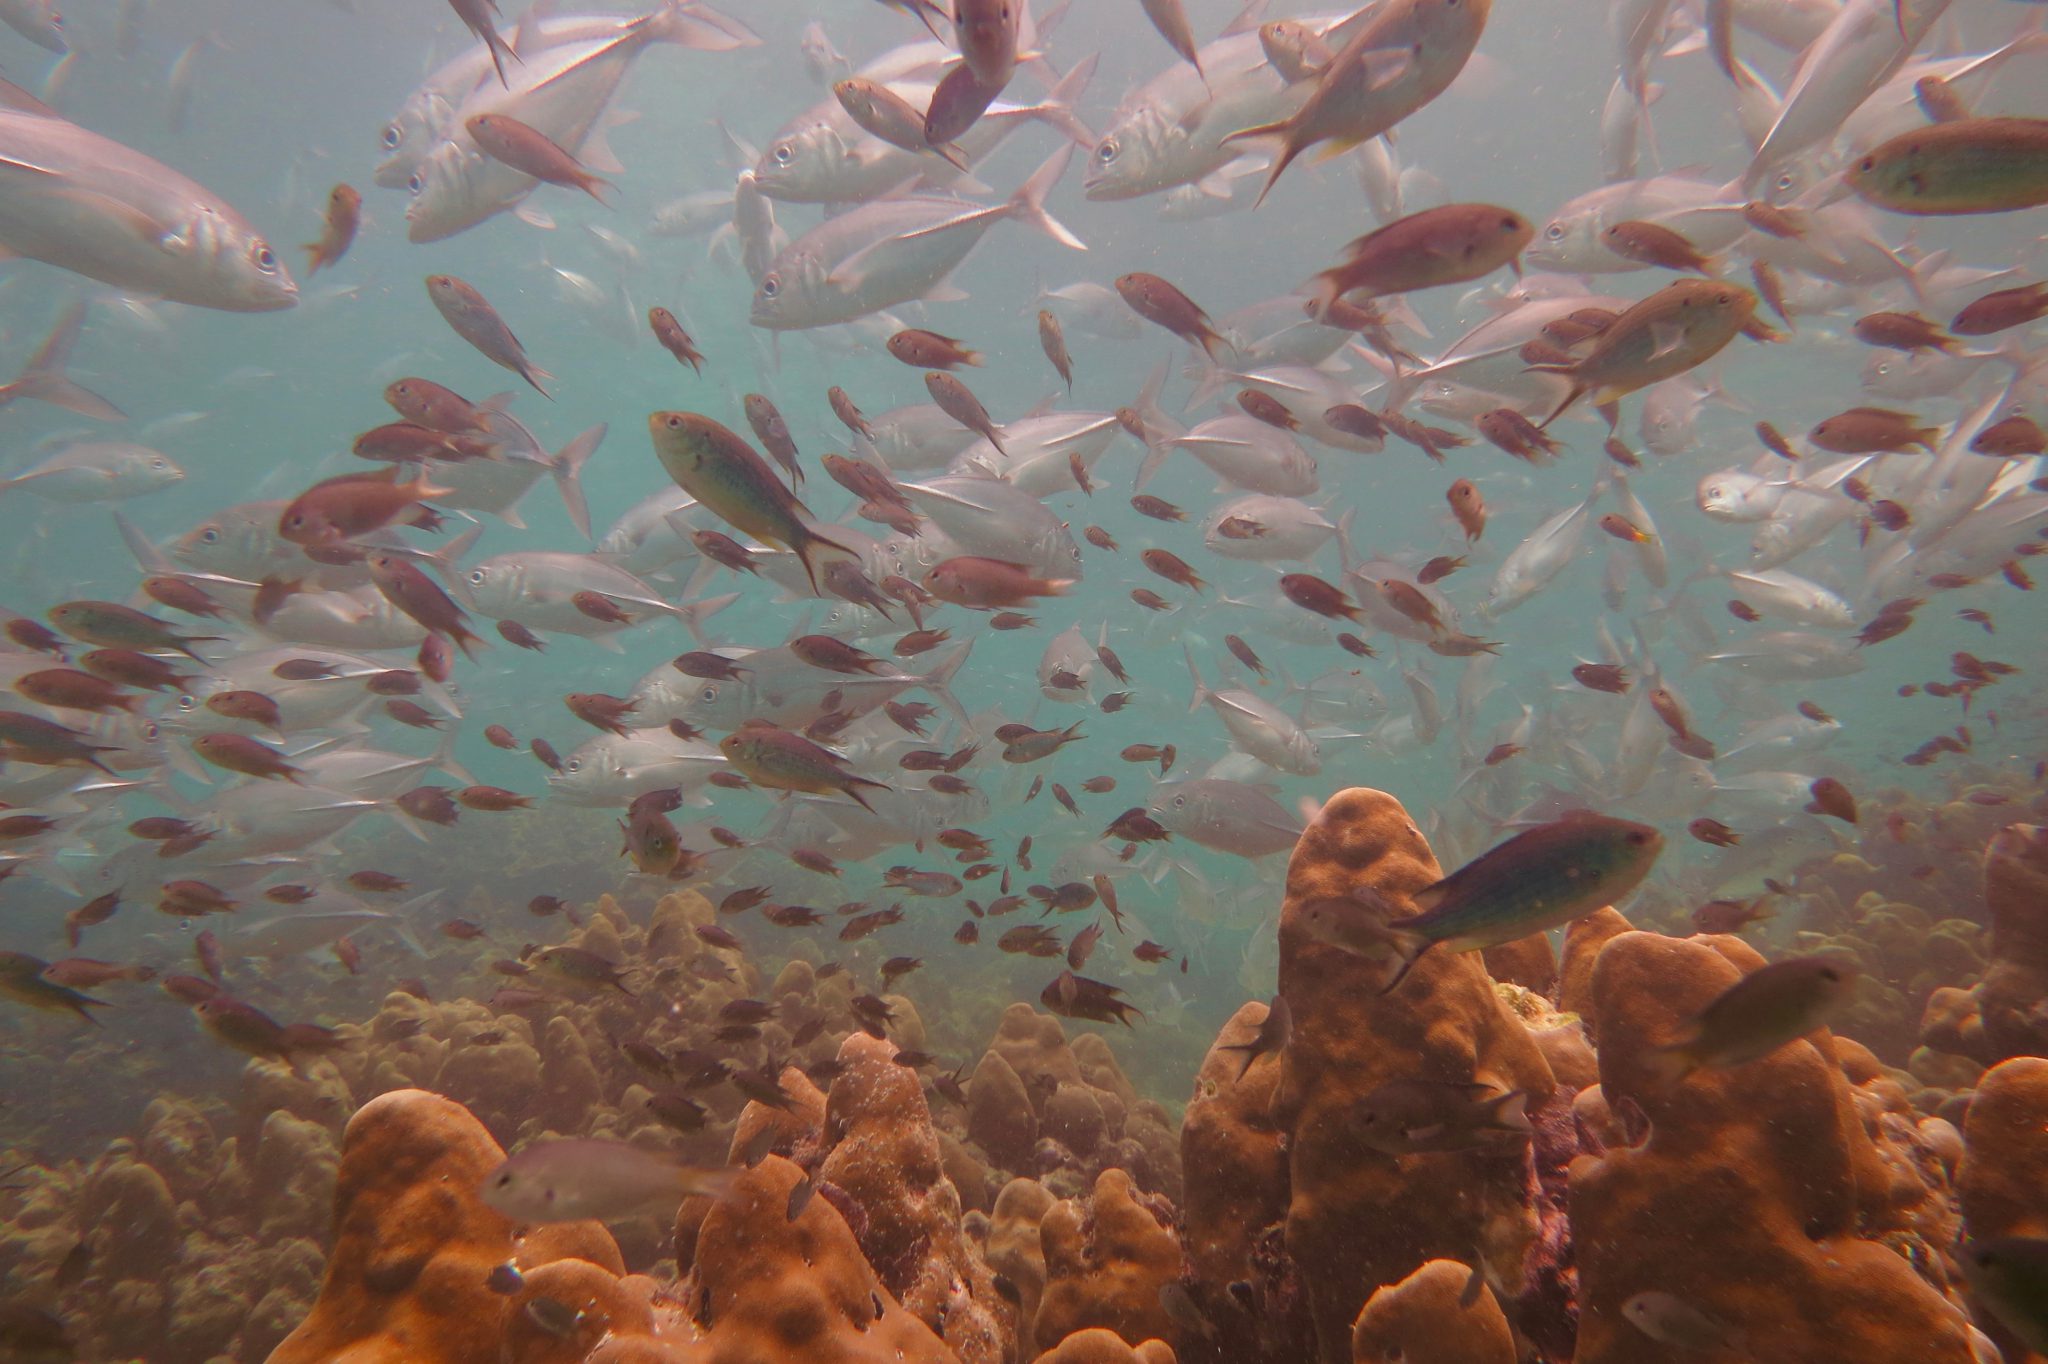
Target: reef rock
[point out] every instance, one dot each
(1445, 1023)
(414, 1243)
(1740, 1192)
(1424, 1319)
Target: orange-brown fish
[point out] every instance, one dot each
(250, 757)
(975, 581)
(1655, 245)
(350, 505)
(1969, 165)
(674, 339)
(1902, 331)
(477, 322)
(337, 230)
(2012, 438)
(1449, 244)
(1469, 507)
(2001, 310)
(426, 403)
(1831, 798)
(1871, 430)
(957, 401)
(532, 152)
(721, 470)
(775, 758)
(1161, 304)
(1311, 593)
(1053, 341)
(923, 349)
(1682, 325)
(1173, 568)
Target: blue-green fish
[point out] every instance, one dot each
(1537, 880)
(721, 470)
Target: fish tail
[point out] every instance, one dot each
(1056, 109)
(1672, 1064)
(1578, 392)
(567, 469)
(1410, 946)
(1027, 205)
(940, 679)
(804, 539)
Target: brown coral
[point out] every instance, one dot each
(1424, 1319)
(414, 1243)
(1444, 1023)
(1105, 1263)
(1743, 1197)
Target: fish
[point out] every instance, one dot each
(337, 229)
(1768, 1008)
(1541, 878)
(1272, 1037)
(1411, 1116)
(87, 204)
(478, 323)
(1405, 54)
(722, 472)
(1969, 165)
(570, 1179)
(888, 252)
(2006, 1274)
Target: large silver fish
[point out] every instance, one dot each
(36, 20)
(892, 251)
(430, 114)
(88, 204)
(562, 94)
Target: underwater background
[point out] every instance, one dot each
(1856, 776)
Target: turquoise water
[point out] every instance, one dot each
(288, 97)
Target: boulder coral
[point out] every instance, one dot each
(1433, 1317)
(1736, 1190)
(2003, 1176)
(2006, 1013)
(414, 1245)
(1105, 1262)
(1445, 1023)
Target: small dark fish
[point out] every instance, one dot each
(1271, 1038)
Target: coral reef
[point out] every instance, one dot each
(1754, 1194)
(2002, 1178)
(408, 1277)
(2005, 1014)
(1446, 1023)
(1427, 1318)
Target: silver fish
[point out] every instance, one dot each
(88, 204)
(892, 251)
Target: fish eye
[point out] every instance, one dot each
(1108, 151)
(151, 731)
(573, 765)
(783, 153)
(1180, 802)
(1829, 973)
(187, 702)
(770, 286)
(1867, 164)
(708, 694)
(414, 183)
(209, 536)
(1554, 232)
(1638, 837)
(265, 258)
(393, 135)
(476, 577)
(1786, 180)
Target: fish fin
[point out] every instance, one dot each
(1510, 1112)
(1247, 21)
(1411, 947)
(567, 468)
(596, 153)
(1027, 205)
(21, 101)
(59, 391)
(1672, 1064)
(939, 680)
(1056, 110)
(443, 758)
(534, 216)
